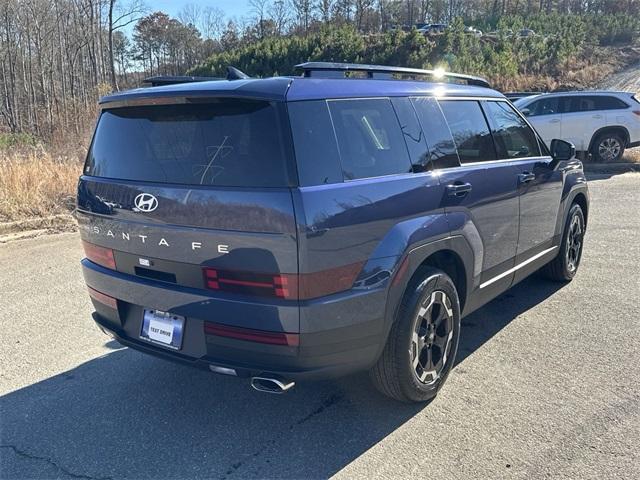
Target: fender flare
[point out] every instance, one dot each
(411, 261)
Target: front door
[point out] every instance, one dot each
(539, 184)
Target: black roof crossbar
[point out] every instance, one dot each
(340, 70)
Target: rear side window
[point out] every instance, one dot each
(227, 143)
(513, 137)
(470, 130)
(589, 103)
(413, 136)
(369, 137)
(609, 103)
(317, 154)
(442, 149)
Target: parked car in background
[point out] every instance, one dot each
(473, 31)
(437, 28)
(526, 32)
(601, 123)
(433, 29)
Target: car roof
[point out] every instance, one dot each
(300, 88)
(580, 92)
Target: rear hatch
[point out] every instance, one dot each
(194, 195)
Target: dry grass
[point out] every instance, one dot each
(35, 184)
(632, 155)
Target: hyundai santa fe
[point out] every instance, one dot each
(306, 227)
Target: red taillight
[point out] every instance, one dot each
(637, 112)
(250, 335)
(100, 255)
(103, 298)
(289, 286)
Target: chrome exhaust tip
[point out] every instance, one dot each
(271, 384)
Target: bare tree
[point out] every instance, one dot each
(212, 22)
(125, 15)
(279, 13)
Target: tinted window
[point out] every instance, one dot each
(470, 131)
(370, 141)
(589, 103)
(578, 104)
(513, 137)
(609, 103)
(228, 143)
(442, 149)
(413, 136)
(317, 154)
(545, 106)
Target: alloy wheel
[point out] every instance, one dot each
(574, 243)
(431, 337)
(609, 149)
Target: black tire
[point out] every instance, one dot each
(395, 374)
(608, 148)
(564, 267)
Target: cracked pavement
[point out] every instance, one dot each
(547, 385)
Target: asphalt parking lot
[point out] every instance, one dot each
(547, 385)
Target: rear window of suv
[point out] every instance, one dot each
(230, 142)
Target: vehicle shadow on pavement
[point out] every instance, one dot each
(130, 415)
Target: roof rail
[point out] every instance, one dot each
(340, 70)
(160, 80)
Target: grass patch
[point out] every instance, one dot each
(35, 184)
(13, 140)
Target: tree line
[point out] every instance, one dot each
(58, 56)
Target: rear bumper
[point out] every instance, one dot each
(338, 335)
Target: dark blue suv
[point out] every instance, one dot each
(305, 227)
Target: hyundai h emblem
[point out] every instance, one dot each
(145, 202)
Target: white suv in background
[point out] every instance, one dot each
(600, 123)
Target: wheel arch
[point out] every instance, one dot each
(610, 129)
(450, 262)
(581, 199)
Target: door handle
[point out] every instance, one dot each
(458, 189)
(597, 116)
(555, 120)
(526, 177)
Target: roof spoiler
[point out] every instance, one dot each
(160, 80)
(341, 70)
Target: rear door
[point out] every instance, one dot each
(481, 197)
(580, 119)
(175, 188)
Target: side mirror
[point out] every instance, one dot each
(561, 150)
(526, 112)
